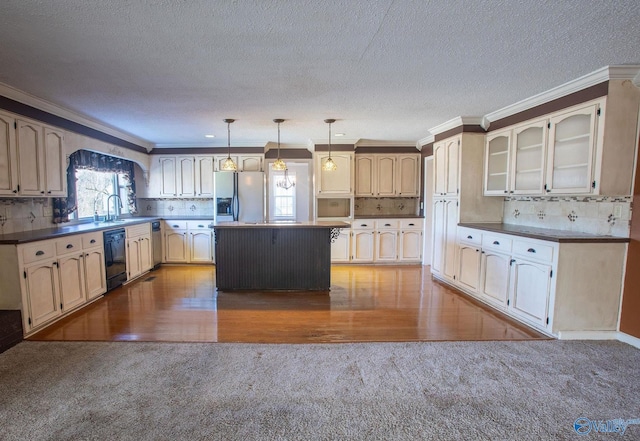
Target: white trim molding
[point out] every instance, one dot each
(374, 143)
(587, 335)
(457, 122)
(629, 339)
(424, 141)
(54, 109)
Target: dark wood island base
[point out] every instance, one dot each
(274, 256)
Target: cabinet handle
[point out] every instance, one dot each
(469, 237)
(92, 241)
(15, 191)
(364, 225)
(69, 246)
(506, 191)
(42, 192)
(55, 263)
(176, 226)
(495, 242)
(200, 226)
(412, 225)
(387, 225)
(39, 253)
(49, 192)
(531, 250)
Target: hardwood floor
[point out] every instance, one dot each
(366, 303)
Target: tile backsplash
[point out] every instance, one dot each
(175, 207)
(23, 214)
(595, 215)
(386, 206)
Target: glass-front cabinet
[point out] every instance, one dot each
(528, 162)
(497, 164)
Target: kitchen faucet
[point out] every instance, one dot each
(108, 199)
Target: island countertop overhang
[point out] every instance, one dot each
(276, 224)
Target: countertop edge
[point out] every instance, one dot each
(560, 236)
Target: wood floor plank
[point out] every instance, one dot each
(366, 303)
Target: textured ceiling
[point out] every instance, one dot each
(169, 71)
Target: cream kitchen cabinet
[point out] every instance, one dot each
(243, 162)
(408, 175)
(386, 240)
(387, 175)
(410, 246)
(139, 251)
(468, 273)
(495, 278)
(341, 247)
(365, 175)
(200, 242)
(182, 176)
(49, 278)
(362, 241)
(188, 242)
(446, 155)
(204, 166)
(8, 155)
(445, 221)
(336, 182)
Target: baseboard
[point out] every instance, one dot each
(629, 339)
(587, 335)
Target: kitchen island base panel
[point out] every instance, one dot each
(273, 259)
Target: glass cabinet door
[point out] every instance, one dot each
(571, 147)
(528, 161)
(497, 149)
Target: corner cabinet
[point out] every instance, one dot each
(337, 182)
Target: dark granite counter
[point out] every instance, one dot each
(282, 224)
(544, 233)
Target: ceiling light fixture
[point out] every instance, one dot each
(286, 183)
(279, 164)
(329, 165)
(228, 164)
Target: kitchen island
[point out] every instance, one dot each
(292, 256)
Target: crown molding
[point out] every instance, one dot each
(430, 139)
(457, 122)
(628, 72)
(47, 106)
(206, 144)
(375, 143)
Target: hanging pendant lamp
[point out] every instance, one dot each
(329, 165)
(279, 164)
(228, 164)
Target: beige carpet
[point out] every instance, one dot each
(532, 390)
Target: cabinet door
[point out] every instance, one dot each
(439, 169)
(496, 163)
(176, 246)
(168, 178)
(469, 267)
(204, 176)
(186, 178)
(494, 284)
(386, 176)
(571, 151)
(8, 156)
(341, 247)
(408, 175)
(250, 163)
(72, 283)
(42, 294)
(55, 163)
(365, 170)
(30, 158)
(133, 259)
(453, 165)
(439, 232)
(530, 287)
(411, 246)
(337, 181)
(530, 145)
(200, 247)
(362, 246)
(386, 247)
(94, 275)
(450, 246)
(146, 253)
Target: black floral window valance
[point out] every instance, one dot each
(88, 160)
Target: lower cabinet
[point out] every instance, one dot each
(50, 278)
(188, 242)
(530, 290)
(362, 245)
(445, 221)
(494, 283)
(341, 247)
(200, 246)
(469, 266)
(386, 246)
(139, 251)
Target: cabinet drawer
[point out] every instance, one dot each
(411, 224)
(469, 235)
(38, 251)
(199, 225)
(138, 230)
(387, 224)
(91, 240)
(496, 242)
(362, 224)
(69, 244)
(533, 250)
(175, 224)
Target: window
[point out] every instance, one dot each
(93, 189)
(284, 195)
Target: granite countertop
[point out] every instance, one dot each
(389, 216)
(67, 230)
(283, 224)
(544, 233)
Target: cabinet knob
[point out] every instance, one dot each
(175, 226)
(469, 237)
(15, 191)
(506, 191)
(531, 250)
(42, 192)
(92, 241)
(495, 242)
(69, 246)
(49, 192)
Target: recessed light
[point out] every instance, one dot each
(339, 134)
(209, 136)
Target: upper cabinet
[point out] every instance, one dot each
(578, 150)
(243, 162)
(336, 182)
(387, 175)
(32, 158)
(446, 155)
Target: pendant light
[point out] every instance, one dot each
(329, 165)
(279, 164)
(228, 164)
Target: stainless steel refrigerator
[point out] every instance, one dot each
(239, 196)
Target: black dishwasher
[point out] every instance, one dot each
(115, 258)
